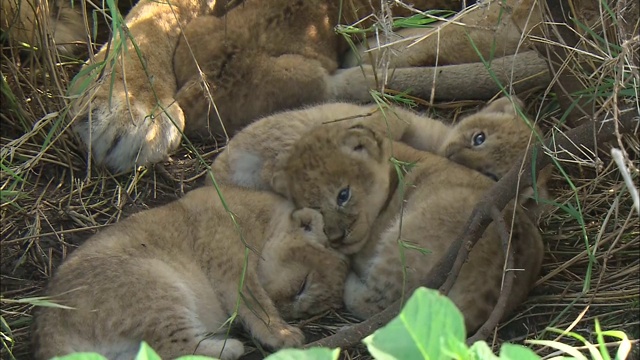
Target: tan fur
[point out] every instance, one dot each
(32, 22)
(427, 210)
(263, 57)
(138, 121)
(508, 134)
(170, 276)
(493, 29)
(284, 59)
(251, 157)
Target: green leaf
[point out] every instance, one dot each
(568, 349)
(411, 246)
(420, 20)
(625, 345)
(480, 350)
(517, 352)
(316, 353)
(43, 301)
(428, 321)
(147, 353)
(81, 356)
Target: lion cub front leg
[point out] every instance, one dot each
(129, 116)
(260, 316)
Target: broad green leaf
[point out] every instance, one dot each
(453, 348)
(147, 353)
(517, 352)
(307, 354)
(428, 322)
(81, 356)
(480, 350)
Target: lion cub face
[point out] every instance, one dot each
(344, 174)
(491, 140)
(301, 274)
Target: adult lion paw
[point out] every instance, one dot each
(129, 117)
(126, 127)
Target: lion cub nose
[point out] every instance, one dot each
(334, 234)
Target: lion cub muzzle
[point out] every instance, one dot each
(336, 235)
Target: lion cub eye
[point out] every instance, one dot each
(343, 196)
(303, 285)
(478, 139)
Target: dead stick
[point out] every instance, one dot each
(574, 141)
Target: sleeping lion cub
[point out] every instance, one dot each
(371, 212)
(335, 157)
(170, 276)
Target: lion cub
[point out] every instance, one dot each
(489, 141)
(492, 140)
(250, 158)
(170, 276)
(371, 212)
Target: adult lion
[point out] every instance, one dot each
(262, 57)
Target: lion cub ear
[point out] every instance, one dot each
(504, 105)
(361, 141)
(312, 223)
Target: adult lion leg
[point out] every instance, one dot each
(128, 116)
(494, 32)
(494, 29)
(520, 72)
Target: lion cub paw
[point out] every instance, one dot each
(284, 336)
(231, 349)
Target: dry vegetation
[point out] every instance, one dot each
(51, 201)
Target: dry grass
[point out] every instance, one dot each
(51, 203)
